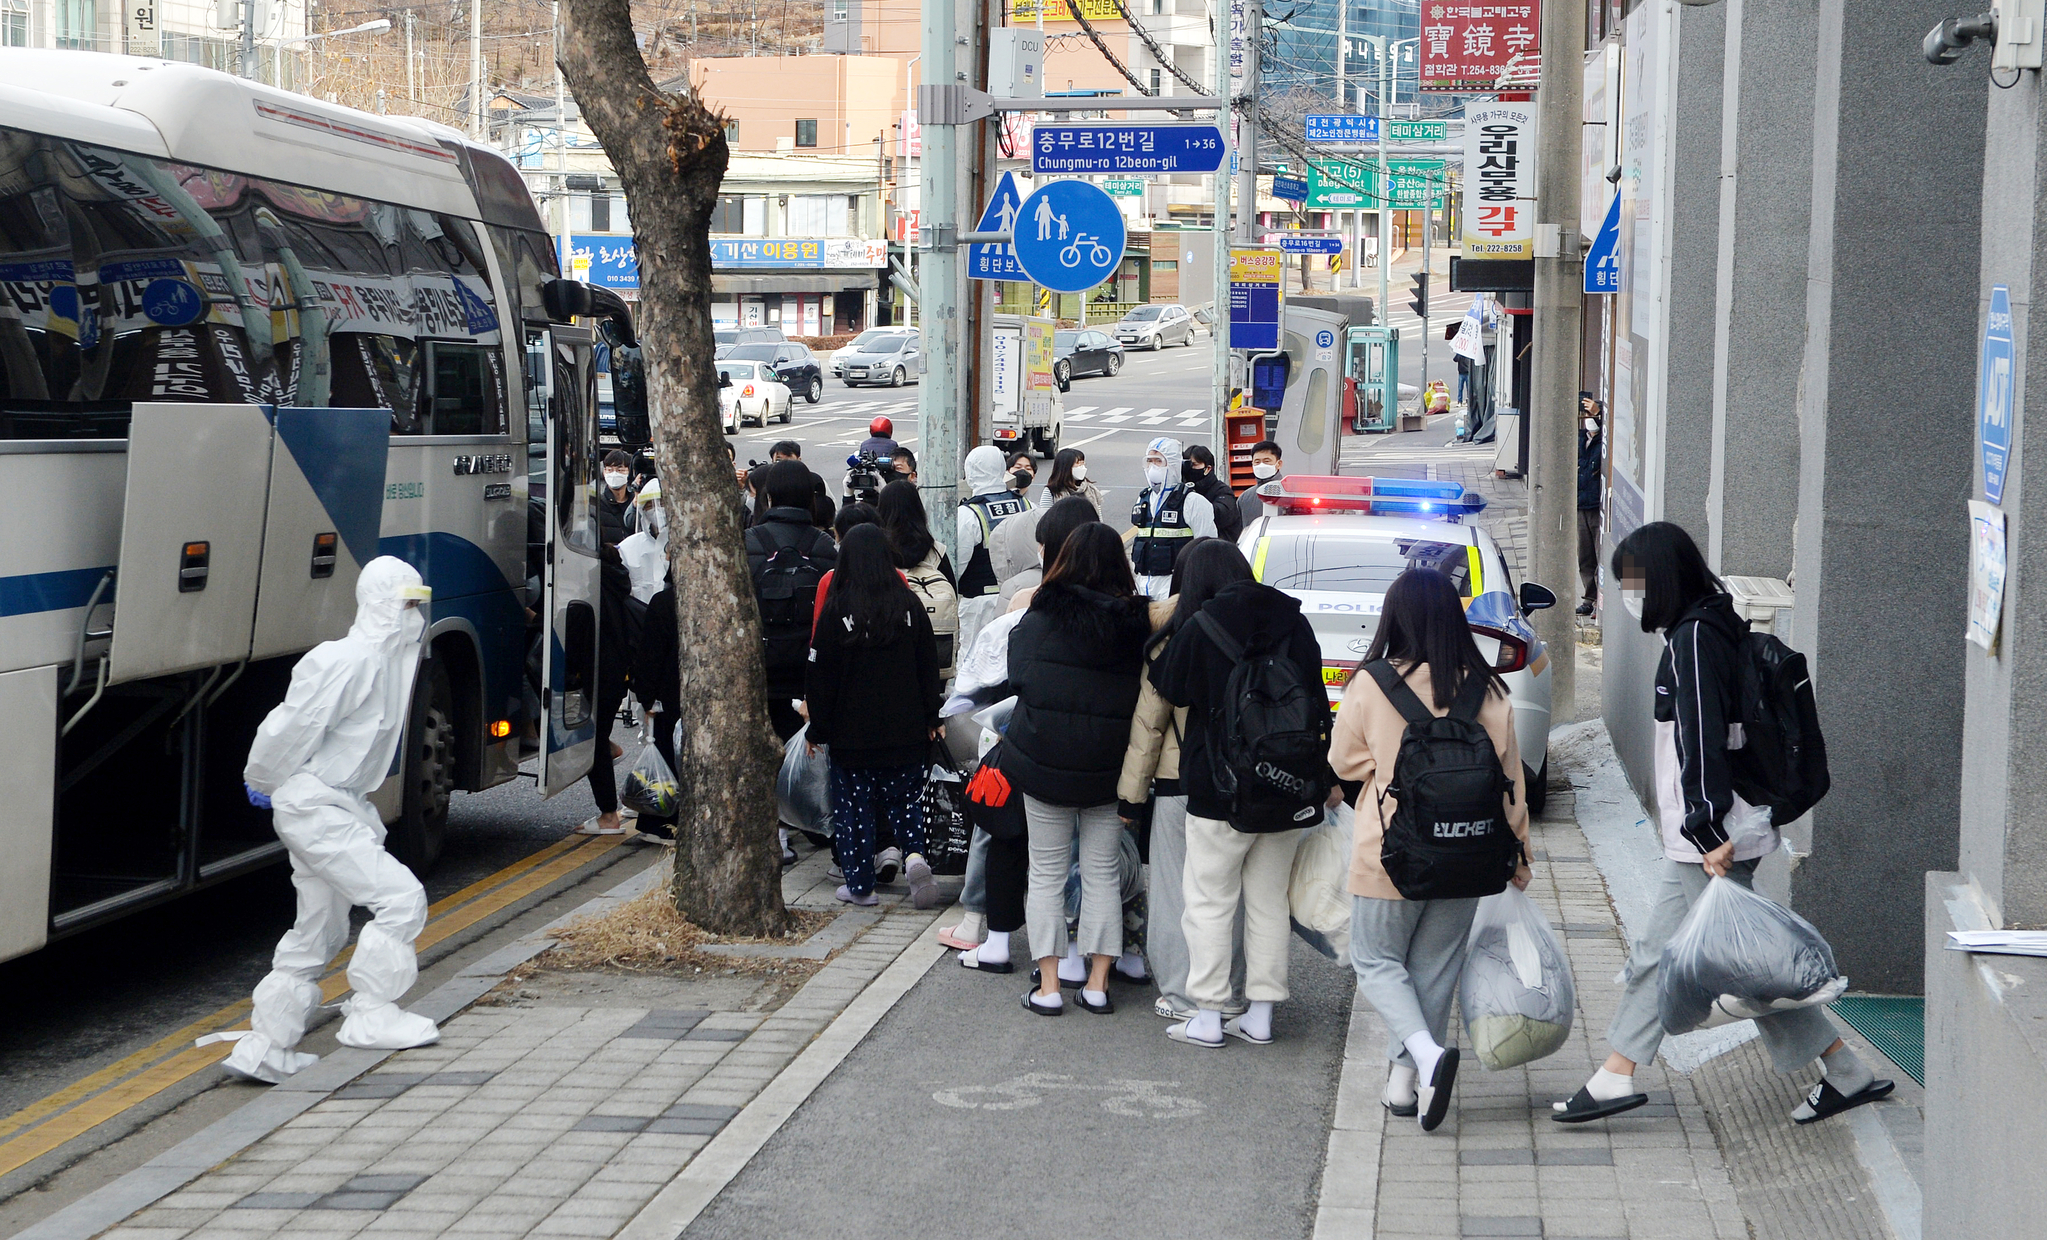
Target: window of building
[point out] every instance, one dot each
(806, 133)
(755, 222)
(821, 215)
(1155, 83)
(732, 134)
(77, 23)
(838, 10)
(14, 23)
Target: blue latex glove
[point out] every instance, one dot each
(258, 799)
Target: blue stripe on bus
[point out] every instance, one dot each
(58, 591)
(342, 453)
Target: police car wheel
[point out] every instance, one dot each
(1537, 786)
(429, 772)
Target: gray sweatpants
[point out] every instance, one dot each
(1408, 955)
(974, 891)
(1052, 830)
(1794, 1038)
(1165, 942)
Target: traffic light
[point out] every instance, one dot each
(1420, 303)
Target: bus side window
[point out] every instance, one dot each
(464, 389)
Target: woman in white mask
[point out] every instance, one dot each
(1069, 477)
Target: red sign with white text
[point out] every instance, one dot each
(1466, 45)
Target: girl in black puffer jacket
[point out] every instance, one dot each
(1074, 661)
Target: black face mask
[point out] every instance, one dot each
(1021, 479)
(1190, 472)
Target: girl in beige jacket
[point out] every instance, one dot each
(1408, 953)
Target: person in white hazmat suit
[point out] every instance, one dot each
(316, 759)
(645, 550)
(990, 502)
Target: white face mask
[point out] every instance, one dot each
(1265, 469)
(1080, 473)
(1155, 474)
(613, 479)
(1632, 600)
(1592, 426)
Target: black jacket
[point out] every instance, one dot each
(874, 705)
(1696, 690)
(1193, 673)
(657, 669)
(1074, 660)
(1229, 520)
(788, 527)
(1589, 481)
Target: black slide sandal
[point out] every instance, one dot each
(1441, 1081)
(1038, 1010)
(1583, 1107)
(987, 966)
(1826, 1101)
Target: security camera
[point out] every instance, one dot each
(1945, 43)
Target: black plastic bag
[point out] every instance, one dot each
(947, 833)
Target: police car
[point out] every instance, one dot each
(1336, 544)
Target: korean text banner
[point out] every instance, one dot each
(613, 262)
(1024, 12)
(1499, 180)
(1466, 45)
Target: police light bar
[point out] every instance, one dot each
(1306, 495)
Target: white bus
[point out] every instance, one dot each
(248, 342)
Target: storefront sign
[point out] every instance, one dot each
(1466, 46)
(1499, 180)
(1254, 298)
(613, 263)
(141, 37)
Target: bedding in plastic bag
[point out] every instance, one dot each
(1516, 991)
(802, 795)
(1319, 891)
(650, 786)
(1738, 956)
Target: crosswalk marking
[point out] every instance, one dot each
(1152, 417)
(1080, 409)
(1194, 417)
(1119, 414)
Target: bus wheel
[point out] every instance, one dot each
(422, 828)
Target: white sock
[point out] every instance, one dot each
(1071, 967)
(1095, 998)
(1054, 1000)
(995, 948)
(1132, 965)
(1424, 1051)
(1205, 1025)
(1845, 1071)
(1257, 1020)
(1400, 1080)
(785, 838)
(1606, 1086)
(973, 926)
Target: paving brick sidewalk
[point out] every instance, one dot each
(539, 1117)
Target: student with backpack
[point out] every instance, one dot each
(874, 634)
(925, 566)
(1441, 822)
(1715, 802)
(788, 556)
(1255, 767)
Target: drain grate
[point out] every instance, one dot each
(1895, 1025)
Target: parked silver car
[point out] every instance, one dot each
(893, 359)
(1154, 327)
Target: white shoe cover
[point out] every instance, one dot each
(256, 1058)
(385, 1027)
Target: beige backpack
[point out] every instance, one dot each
(942, 603)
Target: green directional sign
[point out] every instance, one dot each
(1124, 187)
(1417, 131)
(1336, 185)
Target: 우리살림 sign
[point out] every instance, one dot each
(1466, 44)
(1499, 180)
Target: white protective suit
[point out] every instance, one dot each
(984, 476)
(645, 550)
(318, 756)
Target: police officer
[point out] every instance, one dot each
(1168, 515)
(990, 501)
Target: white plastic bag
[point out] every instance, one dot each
(1319, 891)
(650, 787)
(1516, 991)
(802, 792)
(1738, 956)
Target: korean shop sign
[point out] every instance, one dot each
(1499, 180)
(1464, 46)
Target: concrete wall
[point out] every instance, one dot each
(1885, 462)
(1766, 212)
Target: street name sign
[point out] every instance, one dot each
(998, 262)
(1417, 131)
(1294, 189)
(1340, 128)
(1311, 245)
(1077, 149)
(1993, 393)
(1069, 236)
(1124, 187)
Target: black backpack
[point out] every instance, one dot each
(1448, 838)
(1782, 763)
(786, 588)
(1268, 738)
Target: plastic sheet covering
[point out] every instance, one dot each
(650, 786)
(1742, 955)
(1516, 991)
(1319, 891)
(802, 796)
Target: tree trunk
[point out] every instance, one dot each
(670, 154)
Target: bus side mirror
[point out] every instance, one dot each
(565, 299)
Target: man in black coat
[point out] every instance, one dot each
(785, 586)
(1590, 488)
(1199, 470)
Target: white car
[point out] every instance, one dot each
(1155, 327)
(748, 393)
(858, 345)
(1337, 543)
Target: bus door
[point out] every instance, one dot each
(572, 567)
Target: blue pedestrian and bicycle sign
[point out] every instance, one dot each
(998, 262)
(1310, 245)
(1341, 128)
(1075, 149)
(1069, 236)
(1993, 393)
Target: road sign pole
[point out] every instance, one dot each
(1247, 126)
(938, 312)
(1219, 234)
(1385, 184)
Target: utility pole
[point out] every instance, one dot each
(1247, 126)
(412, 66)
(476, 68)
(1219, 232)
(938, 277)
(561, 124)
(1553, 375)
(249, 39)
(1385, 183)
